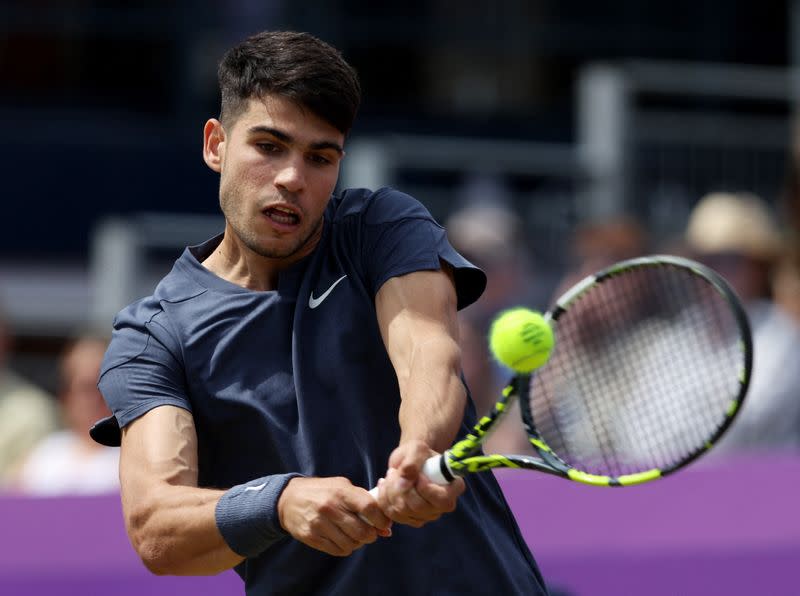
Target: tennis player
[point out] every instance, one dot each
(304, 355)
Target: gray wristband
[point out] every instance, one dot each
(247, 514)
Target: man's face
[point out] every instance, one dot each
(278, 166)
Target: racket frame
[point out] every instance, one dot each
(465, 456)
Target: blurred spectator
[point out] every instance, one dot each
(490, 233)
(596, 244)
(68, 461)
(599, 243)
(736, 234)
(786, 282)
(27, 413)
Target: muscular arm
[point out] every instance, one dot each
(418, 322)
(170, 521)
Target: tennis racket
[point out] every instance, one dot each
(651, 364)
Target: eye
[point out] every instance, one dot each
(268, 147)
(318, 159)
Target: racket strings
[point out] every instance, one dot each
(644, 367)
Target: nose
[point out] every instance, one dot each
(290, 176)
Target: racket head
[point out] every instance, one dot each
(651, 364)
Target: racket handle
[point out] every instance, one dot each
(432, 468)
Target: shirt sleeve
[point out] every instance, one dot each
(401, 236)
(143, 368)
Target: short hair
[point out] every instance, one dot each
(295, 65)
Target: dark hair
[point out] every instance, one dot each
(297, 66)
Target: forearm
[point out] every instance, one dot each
(431, 411)
(175, 526)
(174, 531)
(419, 325)
(417, 314)
(433, 395)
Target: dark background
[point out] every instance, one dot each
(102, 102)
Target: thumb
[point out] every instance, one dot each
(408, 459)
(402, 481)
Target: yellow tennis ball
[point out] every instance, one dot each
(521, 339)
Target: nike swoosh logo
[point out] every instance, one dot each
(315, 302)
(255, 488)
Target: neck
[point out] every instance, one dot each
(237, 264)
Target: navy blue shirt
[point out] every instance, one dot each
(298, 380)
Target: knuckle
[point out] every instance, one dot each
(327, 506)
(315, 525)
(418, 444)
(341, 483)
(359, 533)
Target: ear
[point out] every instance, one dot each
(214, 144)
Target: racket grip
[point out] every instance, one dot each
(432, 468)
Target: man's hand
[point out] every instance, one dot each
(407, 496)
(331, 515)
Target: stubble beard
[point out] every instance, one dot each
(237, 219)
(252, 241)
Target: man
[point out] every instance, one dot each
(285, 367)
(67, 461)
(736, 233)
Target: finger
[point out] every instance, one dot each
(444, 498)
(410, 453)
(408, 508)
(368, 510)
(364, 505)
(401, 514)
(424, 504)
(329, 533)
(415, 506)
(357, 528)
(328, 546)
(396, 484)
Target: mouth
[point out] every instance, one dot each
(282, 215)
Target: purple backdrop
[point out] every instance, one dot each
(722, 527)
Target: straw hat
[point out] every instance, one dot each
(739, 223)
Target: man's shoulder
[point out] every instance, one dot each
(176, 286)
(375, 207)
(179, 284)
(161, 311)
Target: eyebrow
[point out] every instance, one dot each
(287, 138)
